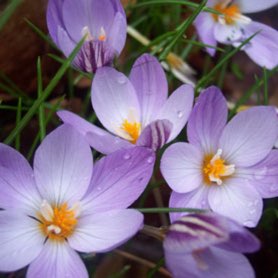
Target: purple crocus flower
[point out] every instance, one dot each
(208, 245)
(136, 111)
(225, 168)
(233, 28)
(102, 22)
(64, 205)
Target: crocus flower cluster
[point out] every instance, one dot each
(227, 168)
(136, 111)
(208, 245)
(102, 23)
(232, 27)
(66, 205)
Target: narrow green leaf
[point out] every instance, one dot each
(8, 12)
(18, 118)
(165, 210)
(265, 86)
(45, 94)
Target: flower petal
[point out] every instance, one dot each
(54, 18)
(105, 231)
(99, 139)
(18, 188)
(114, 99)
(155, 135)
(204, 24)
(57, 260)
(247, 6)
(119, 179)
(263, 48)
(117, 33)
(181, 166)
(194, 232)
(264, 176)
(63, 166)
(209, 263)
(236, 199)
(249, 136)
(93, 14)
(20, 241)
(177, 109)
(229, 34)
(207, 120)
(195, 199)
(150, 83)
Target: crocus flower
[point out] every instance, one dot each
(232, 28)
(208, 245)
(225, 168)
(103, 23)
(64, 205)
(135, 111)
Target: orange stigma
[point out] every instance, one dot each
(59, 222)
(132, 129)
(230, 13)
(215, 169)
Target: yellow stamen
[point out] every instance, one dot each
(59, 222)
(102, 35)
(132, 129)
(230, 12)
(215, 169)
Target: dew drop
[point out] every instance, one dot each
(252, 211)
(98, 188)
(122, 80)
(127, 156)
(150, 160)
(273, 188)
(180, 114)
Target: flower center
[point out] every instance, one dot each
(89, 37)
(58, 222)
(215, 169)
(132, 129)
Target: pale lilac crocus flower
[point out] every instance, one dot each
(65, 206)
(135, 111)
(227, 168)
(103, 23)
(208, 245)
(232, 28)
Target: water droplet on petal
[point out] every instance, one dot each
(122, 80)
(273, 187)
(180, 114)
(150, 160)
(98, 188)
(127, 156)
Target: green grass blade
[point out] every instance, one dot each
(45, 94)
(8, 12)
(166, 210)
(18, 118)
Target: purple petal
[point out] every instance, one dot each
(229, 34)
(20, 241)
(64, 42)
(196, 232)
(18, 188)
(264, 176)
(181, 166)
(155, 135)
(204, 24)
(94, 14)
(240, 239)
(194, 199)
(207, 120)
(57, 260)
(54, 18)
(263, 48)
(177, 109)
(63, 166)
(247, 6)
(105, 231)
(209, 263)
(114, 99)
(119, 179)
(236, 199)
(118, 32)
(150, 83)
(94, 55)
(249, 136)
